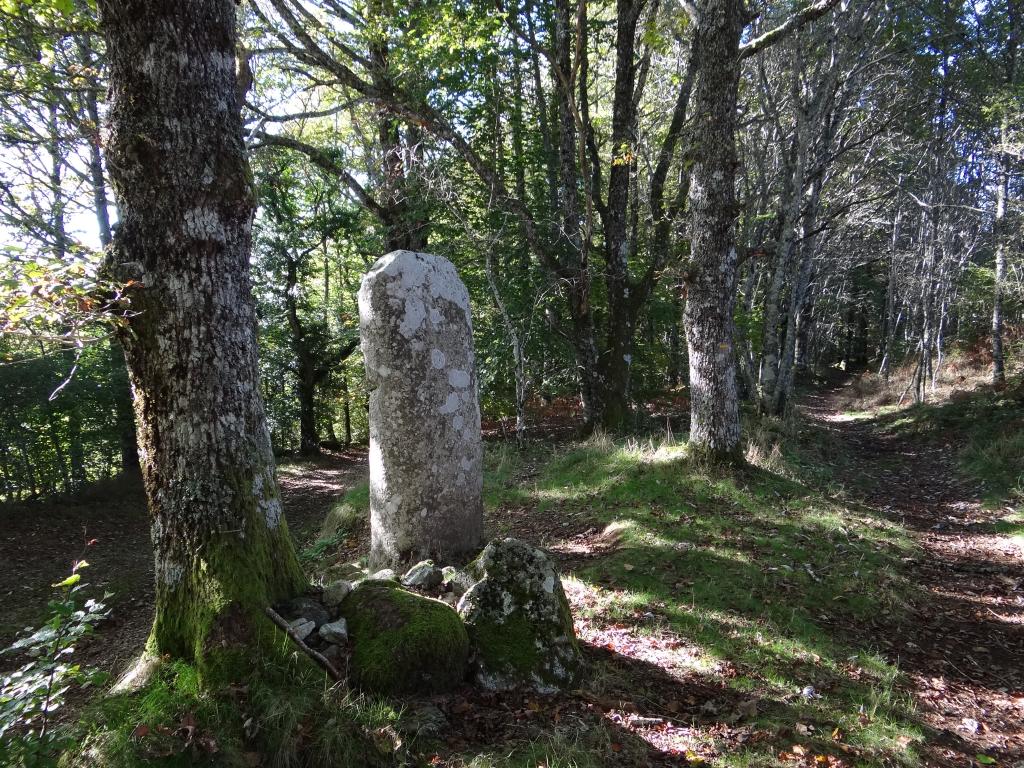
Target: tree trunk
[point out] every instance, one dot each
(714, 410)
(998, 364)
(346, 405)
(889, 320)
(792, 207)
(617, 364)
(305, 363)
(402, 228)
(784, 385)
(76, 449)
(178, 166)
(573, 243)
(518, 357)
(1002, 190)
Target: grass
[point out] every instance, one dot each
(988, 430)
(343, 522)
(758, 570)
(277, 711)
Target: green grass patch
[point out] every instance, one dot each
(276, 710)
(343, 519)
(988, 432)
(588, 749)
(761, 571)
(1012, 525)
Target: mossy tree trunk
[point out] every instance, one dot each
(178, 166)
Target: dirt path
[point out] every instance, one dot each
(961, 642)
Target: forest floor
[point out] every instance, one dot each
(854, 597)
(960, 642)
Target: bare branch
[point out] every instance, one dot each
(793, 23)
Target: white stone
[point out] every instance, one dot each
(302, 628)
(425, 445)
(335, 633)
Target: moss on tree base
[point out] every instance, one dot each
(247, 703)
(403, 642)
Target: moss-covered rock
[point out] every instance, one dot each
(404, 642)
(518, 619)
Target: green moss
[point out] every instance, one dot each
(509, 648)
(404, 643)
(275, 704)
(225, 585)
(521, 629)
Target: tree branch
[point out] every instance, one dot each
(793, 23)
(326, 162)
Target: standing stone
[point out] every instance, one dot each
(426, 454)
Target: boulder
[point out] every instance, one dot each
(518, 619)
(426, 453)
(335, 633)
(404, 643)
(335, 592)
(423, 575)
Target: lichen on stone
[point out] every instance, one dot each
(518, 619)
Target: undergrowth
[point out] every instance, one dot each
(275, 709)
(767, 575)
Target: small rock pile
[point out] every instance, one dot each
(503, 621)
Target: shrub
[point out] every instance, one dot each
(32, 694)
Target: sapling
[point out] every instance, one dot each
(31, 695)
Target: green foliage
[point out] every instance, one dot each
(32, 695)
(56, 305)
(305, 254)
(67, 419)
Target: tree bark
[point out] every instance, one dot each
(711, 273)
(305, 362)
(178, 165)
(1002, 190)
(998, 364)
(622, 319)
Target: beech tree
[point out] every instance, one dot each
(574, 162)
(710, 274)
(178, 165)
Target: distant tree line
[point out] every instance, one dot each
(710, 198)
